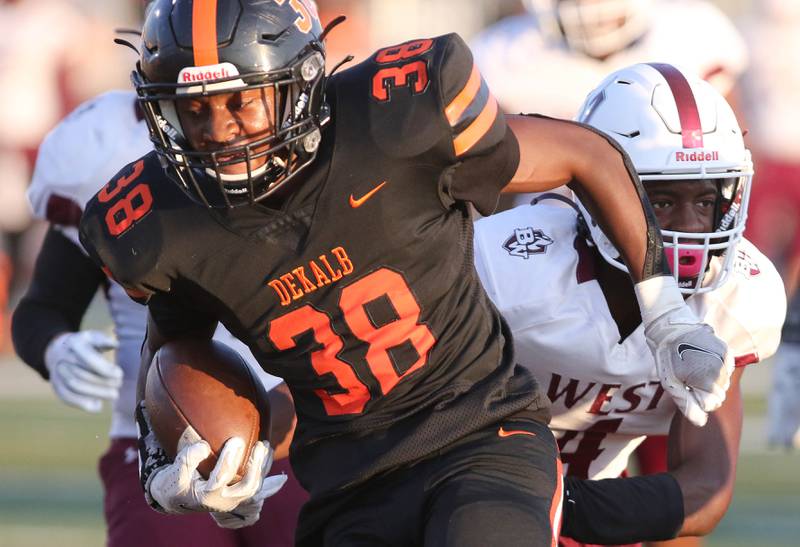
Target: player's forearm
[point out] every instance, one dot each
(34, 324)
(283, 420)
(703, 461)
(556, 152)
(141, 380)
(706, 485)
(622, 511)
(63, 284)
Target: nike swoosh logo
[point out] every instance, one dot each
(356, 203)
(503, 433)
(683, 348)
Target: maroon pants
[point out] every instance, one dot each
(132, 523)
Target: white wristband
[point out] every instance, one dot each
(657, 296)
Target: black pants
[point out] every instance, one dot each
(499, 486)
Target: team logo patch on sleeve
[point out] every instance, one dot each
(745, 265)
(526, 242)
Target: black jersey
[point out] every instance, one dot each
(360, 291)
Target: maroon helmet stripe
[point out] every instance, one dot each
(691, 128)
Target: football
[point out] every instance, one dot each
(202, 389)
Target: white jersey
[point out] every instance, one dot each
(75, 160)
(529, 73)
(605, 394)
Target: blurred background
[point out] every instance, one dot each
(54, 54)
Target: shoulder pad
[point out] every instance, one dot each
(751, 307)
(126, 226)
(423, 96)
(82, 153)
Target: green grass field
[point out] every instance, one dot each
(50, 493)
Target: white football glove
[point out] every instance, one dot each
(177, 487)
(248, 512)
(690, 360)
(79, 373)
(784, 399)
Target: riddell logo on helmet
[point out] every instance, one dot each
(208, 73)
(697, 156)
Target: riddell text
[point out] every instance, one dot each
(303, 280)
(198, 76)
(697, 156)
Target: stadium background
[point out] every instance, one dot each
(49, 489)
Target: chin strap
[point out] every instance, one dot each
(558, 197)
(583, 227)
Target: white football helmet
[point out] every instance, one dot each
(677, 127)
(597, 28)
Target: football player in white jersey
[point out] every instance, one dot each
(74, 161)
(551, 57)
(558, 282)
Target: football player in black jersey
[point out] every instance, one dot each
(325, 221)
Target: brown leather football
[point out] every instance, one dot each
(208, 386)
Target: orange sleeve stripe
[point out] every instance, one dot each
(464, 98)
(555, 505)
(477, 129)
(204, 32)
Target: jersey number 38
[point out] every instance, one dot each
(352, 394)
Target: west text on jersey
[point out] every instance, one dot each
(603, 400)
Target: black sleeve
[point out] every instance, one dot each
(64, 283)
(622, 511)
(480, 178)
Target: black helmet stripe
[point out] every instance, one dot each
(204, 32)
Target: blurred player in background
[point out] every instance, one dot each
(573, 313)
(770, 92)
(44, 45)
(35, 56)
(75, 159)
(550, 58)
